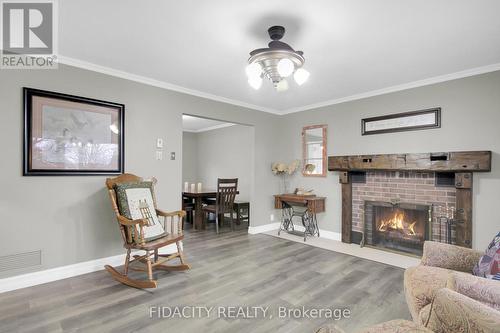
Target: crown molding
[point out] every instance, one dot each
(157, 83)
(169, 86)
(400, 87)
(211, 128)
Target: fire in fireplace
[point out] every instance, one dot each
(397, 226)
(398, 222)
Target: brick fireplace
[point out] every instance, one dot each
(397, 201)
(399, 210)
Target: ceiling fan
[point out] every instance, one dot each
(276, 62)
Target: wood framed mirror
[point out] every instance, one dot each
(314, 151)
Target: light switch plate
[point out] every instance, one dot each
(159, 143)
(159, 155)
(172, 155)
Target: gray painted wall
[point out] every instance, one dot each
(70, 218)
(221, 153)
(470, 121)
(189, 157)
(227, 153)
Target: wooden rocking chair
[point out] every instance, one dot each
(134, 240)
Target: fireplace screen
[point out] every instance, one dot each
(402, 226)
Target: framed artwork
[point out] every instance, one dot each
(406, 121)
(69, 135)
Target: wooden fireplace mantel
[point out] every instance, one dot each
(462, 163)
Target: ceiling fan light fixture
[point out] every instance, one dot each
(301, 76)
(253, 70)
(276, 62)
(255, 82)
(285, 67)
(282, 86)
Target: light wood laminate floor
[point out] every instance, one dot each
(230, 269)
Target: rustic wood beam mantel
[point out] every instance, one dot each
(462, 163)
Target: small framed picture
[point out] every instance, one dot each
(399, 122)
(70, 135)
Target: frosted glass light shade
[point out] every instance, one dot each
(114, 128)
(282, 85)
(301, 76)
(255, 82)
(253, 70)
(285, 67)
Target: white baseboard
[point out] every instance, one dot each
(63, 272)
(275, 226)
(263, 228)
(337, 236)
(58, 273)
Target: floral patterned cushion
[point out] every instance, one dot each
(489, 264)
(425, 314)
(482, 290)
(449, 256)
(452, 312)
(421, 284)
(135, 201)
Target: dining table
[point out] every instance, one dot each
(198, 198)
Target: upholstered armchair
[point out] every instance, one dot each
(444, 296)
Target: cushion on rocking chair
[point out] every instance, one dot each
(135, 201)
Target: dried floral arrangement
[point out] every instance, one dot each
(279, 168)
(285, 170)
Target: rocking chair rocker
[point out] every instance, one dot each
(132, 232)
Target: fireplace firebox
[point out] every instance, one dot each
(397, 226)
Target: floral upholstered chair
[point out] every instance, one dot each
(444, 296)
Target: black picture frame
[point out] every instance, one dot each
(28, 103)
(436, 123)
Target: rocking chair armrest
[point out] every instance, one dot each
(128, 222)
(169, 219)
(179, 213)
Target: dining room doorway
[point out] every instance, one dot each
(211, 150)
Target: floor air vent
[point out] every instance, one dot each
(20, 260)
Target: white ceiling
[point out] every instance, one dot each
(353, 48)
(197, 124)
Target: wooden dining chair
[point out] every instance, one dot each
(224, 203)
(144, 233)
(188, 206)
